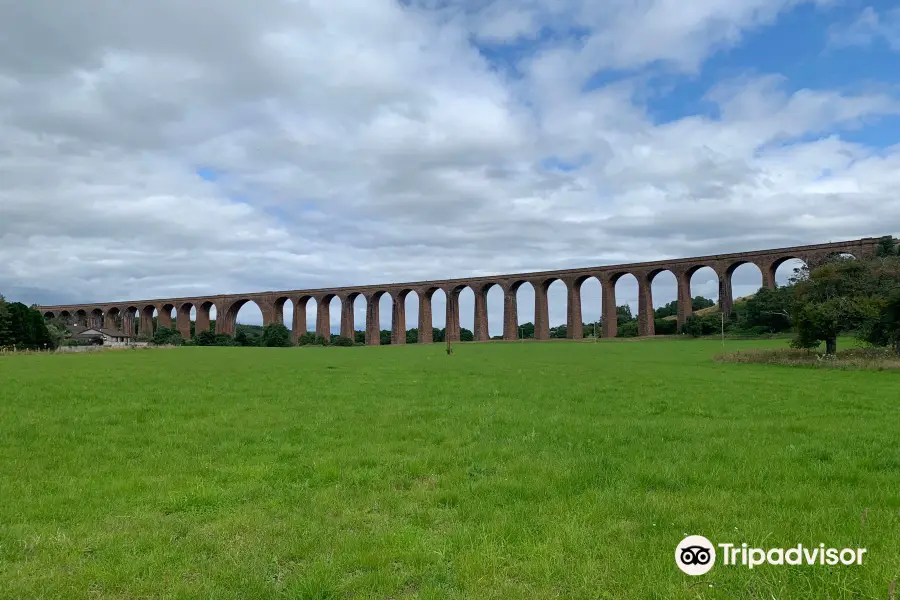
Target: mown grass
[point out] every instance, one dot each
(556, 470)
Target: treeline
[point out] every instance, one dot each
(23, 328)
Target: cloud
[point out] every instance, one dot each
(868, 28)
(361, 142)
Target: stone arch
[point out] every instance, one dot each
(630, 294)
(49, 315)
(348, 314)
(488, 299)
(81, 317)
(793, 261)
(323, 315)
(743, 270)
(398, 314)
(586, 294)
(66, 317)
(300, 323)
(373, 317)
(667, 287)
(282, 313)
(230, 316)
(517, 291)
(164, 315)
(426, 312)
(112, 318)
(183, 319)
(207, 312)
(96, 319)
(542, 289)
(708, 284)
(452, 326)
(147, 327)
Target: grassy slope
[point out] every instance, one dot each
(506, 471)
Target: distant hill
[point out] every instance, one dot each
(711, 309)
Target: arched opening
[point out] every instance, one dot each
(333, 322)
(591, 293)
(704, 288)
(185, 320)
(664, 300)
(787, 270)
(465, 308)
(244, 322)
(312, 315)
(48, 316)
(432, 305)
(166, 317)
(131, 321)
(205, 317)
(113, 319)
(493, 293)
(66, 317)
(284, 312)
(81, 318)
(353, 317)
(626, 290)
(524, 293)
(412, 306)
(557, 308)
(745, 281)
(147, 322)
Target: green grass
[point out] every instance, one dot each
(555, 470)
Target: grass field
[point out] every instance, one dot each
(554, 470)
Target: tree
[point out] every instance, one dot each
(412, 336)
(623, 314)
(437, 334)
(526, 331)
(223, 339)
(359, 337)
(307, 339)
(6, 334)
(276, 335)
(167, 337)
(699, 303)
(466, 335)
(23, 327)
(385, 335)
(768, 310)
(206, 338)
(887, 246)
(840, 297)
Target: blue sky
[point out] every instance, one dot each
(301, 146)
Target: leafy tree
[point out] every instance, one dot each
(526, 331)
(623, 314)
(670, 309)
(385, 337)
(466, 335)
(559, 332)
(205, 338)
(359, 337)
(23, 327)
(166, 337)
(699, 303)
(412, 336)
(628, 329)
(322, 341)
(887, 246)
(276, 335)
(224, 339)
(307, 339)
(437, 334)
(767, 311)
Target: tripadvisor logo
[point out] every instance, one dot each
(696, 555)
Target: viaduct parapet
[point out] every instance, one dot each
(272, 303)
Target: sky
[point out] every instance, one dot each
(170, 148)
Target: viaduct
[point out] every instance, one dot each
(272, 304)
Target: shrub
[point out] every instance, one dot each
(342, 341)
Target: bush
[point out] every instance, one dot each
(276, 335)
(342, 341)
(665, 326)
(307, 339)
(206, 338)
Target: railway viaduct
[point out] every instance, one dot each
(272, 304)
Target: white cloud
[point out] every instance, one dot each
(362, 142)
(869, 27)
